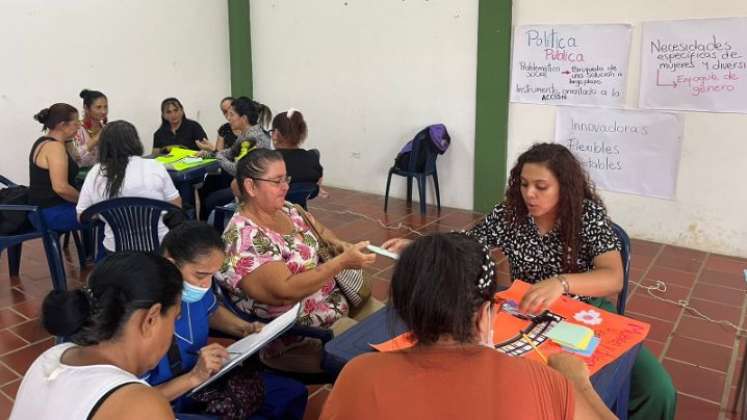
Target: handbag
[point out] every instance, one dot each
(352, 282)
(235, 396)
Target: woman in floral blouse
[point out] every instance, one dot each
(554, 230)
(271, 254)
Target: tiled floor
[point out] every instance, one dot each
(702, 357)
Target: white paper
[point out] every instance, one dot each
(252, 343)
(697, 64)
(634, 152)
(570, 64)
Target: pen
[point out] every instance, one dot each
(197, 353)
(531, 343)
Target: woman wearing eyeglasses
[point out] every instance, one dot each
(272, 259)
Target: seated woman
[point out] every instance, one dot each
(84, 147)
(243, 117)
(52, 170)
(176, 129)
(443, 289)
(122, 172)
(272, 257)
(288, 132)
(197, 249)
(120, 327)
(556, 234)
(226, 135)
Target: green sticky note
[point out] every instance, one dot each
(571, 335)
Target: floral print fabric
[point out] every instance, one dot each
(249, 246)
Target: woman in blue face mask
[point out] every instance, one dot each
(197, 250)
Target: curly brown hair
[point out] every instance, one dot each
(575, 187)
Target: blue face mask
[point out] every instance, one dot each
(192, 293)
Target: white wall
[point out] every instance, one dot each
(368, 75)
(137, 52)
(708, 212)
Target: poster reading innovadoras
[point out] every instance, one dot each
(697, 64)
(570, 64)
(635, 152)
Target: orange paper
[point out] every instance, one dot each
(617, 334)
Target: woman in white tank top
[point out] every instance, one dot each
(120, 327)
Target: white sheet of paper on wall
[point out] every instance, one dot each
(636, 152)
(570, 64)
(695, 64)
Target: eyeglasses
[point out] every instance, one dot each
(281, 180)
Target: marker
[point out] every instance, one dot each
(382, 251)
(531, 343)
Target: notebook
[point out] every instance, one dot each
(242, 349)
(571, 335)
(588, 351)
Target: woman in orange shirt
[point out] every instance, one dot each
(443, 289)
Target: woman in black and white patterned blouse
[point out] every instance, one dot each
(554, 230)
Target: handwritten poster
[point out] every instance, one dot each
(570, 64)
(698, 65)
(634, 152)
(617, 334)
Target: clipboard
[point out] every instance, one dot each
(247, 346)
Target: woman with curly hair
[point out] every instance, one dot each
(554, 230)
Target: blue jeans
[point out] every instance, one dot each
(61, 218)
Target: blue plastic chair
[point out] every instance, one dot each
(222, 215)
(133, 220)
(300, 192)
(14, 244)
(419, 146)
(625, 253)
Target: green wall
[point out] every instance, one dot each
(491, 114)
(240, 45)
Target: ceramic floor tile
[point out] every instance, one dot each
(690, 409)
(656, 347)
(717, 311)
(699, 353)
(671, 276)
(705, 331)
(31, 308)
(719, 294)
(660, 330)
(640, 247)
(696, 381)
(725, 264)
(9, 318)
(31, 331)
(7, 375)
(11, 389)
(10, 342)
(20, 360)
(644, 305)
(679, 263)
(5, 406)
(641, 262)
(671, 291)
(734, 280)
(678, 252)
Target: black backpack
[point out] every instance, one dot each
(14, 221)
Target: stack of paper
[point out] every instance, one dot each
(574, 338)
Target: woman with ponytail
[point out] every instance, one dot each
(249, 119)
(84, 147)
(52, 171)
(119, 326)
(122, 172)
(288, 133)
